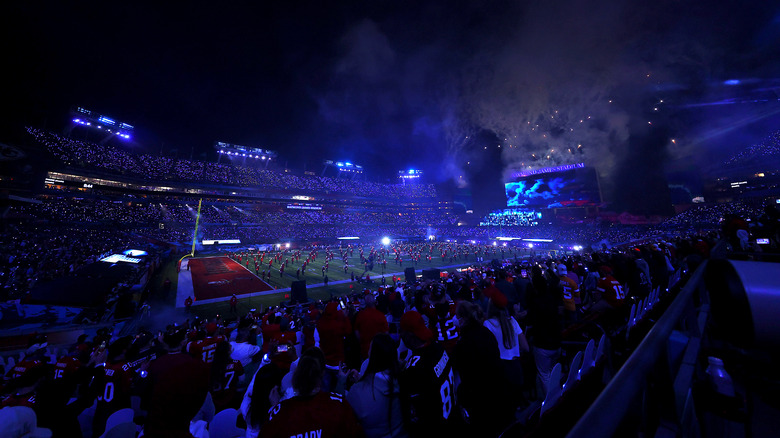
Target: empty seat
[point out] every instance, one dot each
(601, 350)
(588, 358)
(119, 417)
(574, 371)
(553, 390)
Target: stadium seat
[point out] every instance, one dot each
(601, 350)
(574, 370)
(588, 359)
(119, 417)
(224, 425)
(553, 390)
(121, 430)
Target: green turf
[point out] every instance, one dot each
(313, 276)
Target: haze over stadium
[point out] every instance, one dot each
(408, 219)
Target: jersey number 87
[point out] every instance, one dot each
(447, 394)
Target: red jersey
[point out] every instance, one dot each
(27, 400)
(322, 415)
(288, 337)
(368, 323)
(204, 349)
(611, 290)
(23, 367)
(270, 331)
(114, 391)
(112, 385)
(333, 327)
(66, 368)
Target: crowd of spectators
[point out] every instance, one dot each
(133, 211)
(710, 215)
(459, 355)
(105, 157)
(510, 218)
(34, 254)
(768, 148)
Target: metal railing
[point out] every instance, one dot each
(651, 392)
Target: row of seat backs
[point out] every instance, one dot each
(559, 407)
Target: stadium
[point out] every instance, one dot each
(388, 241)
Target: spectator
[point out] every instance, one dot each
(243, 351)
(333, 327)
(225, 374)
(262, 393)
(427, 381)
(511, 341)
(546, 332)
(368, 323)
(311, 412)
(376, 396)
(571, 295)
(611, 291)
(483, 395)
(177, 387)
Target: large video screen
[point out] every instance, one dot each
(569, 188)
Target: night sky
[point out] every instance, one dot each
(465, 90)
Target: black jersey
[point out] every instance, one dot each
(428, 387)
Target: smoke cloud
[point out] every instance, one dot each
(534, 84)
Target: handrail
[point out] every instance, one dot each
(607, 411)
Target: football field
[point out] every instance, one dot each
(339, 280)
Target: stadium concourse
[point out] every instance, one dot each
(516, 336)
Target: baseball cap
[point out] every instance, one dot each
(561, 269)
(211, 328)
(413, 322)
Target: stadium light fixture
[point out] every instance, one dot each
(385, 241)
